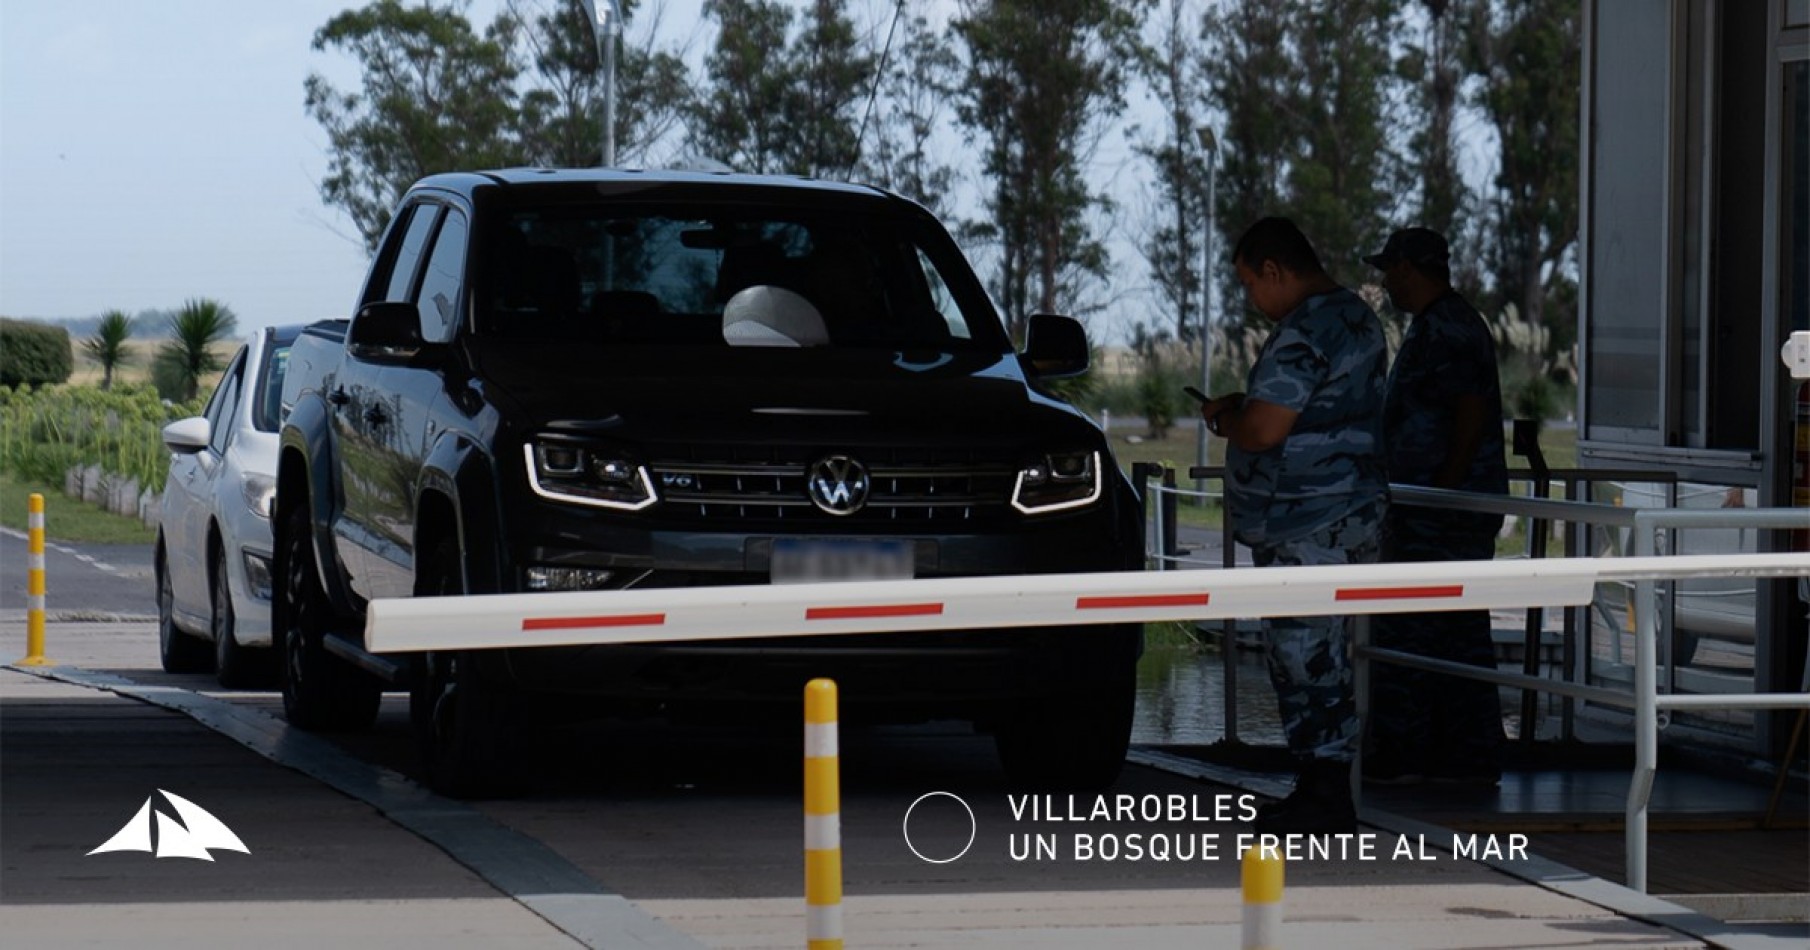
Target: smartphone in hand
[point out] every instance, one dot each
(1197, 394)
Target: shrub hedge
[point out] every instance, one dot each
(34, 354)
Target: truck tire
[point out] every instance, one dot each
(461, 718)
(235, 666)
(320, 691)
(1074, 741)
(177, 651)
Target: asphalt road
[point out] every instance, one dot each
(81, 581)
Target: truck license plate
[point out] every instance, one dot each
(800, 561)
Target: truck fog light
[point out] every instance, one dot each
(546, 578)
(257, 575)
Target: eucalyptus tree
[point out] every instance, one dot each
(108, 344)
(1433, 67)
(783, 88)
(1529, 55)
(1044, 80)
(919, 75)
(739, 117)
(561, 115)
(1305, 88)
(1173, 242)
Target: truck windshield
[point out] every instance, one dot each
(748, 278)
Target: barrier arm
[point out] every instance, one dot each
(727, 613)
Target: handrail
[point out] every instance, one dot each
(1643, 698)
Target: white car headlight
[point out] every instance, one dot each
(1057, 482)
(582, 475)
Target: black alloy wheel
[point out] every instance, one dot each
(461, 720)
(320, 691)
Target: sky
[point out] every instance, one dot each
(152, 152)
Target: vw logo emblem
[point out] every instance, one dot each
(837, 484)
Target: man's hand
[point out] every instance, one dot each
(1254, 425)
(1213, 411)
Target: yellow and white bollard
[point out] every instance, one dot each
(1262, 874)
(34, 587)
(822, 819)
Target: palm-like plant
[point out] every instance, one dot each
(189, 351)
(108, 345)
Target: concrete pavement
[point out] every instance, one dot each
(76, 762)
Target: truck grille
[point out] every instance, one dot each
(771, 484)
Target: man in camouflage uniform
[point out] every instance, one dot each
(1305, 485)
(1442, 428)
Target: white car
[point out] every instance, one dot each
(213, 542)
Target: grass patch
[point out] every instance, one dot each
(1171, 634)
(66, 519)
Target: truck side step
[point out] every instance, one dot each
(381, 667)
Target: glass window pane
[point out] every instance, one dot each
(408, 253)
(664, 273)
(440, 285)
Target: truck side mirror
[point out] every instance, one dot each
(386, 332)
(1055, 346)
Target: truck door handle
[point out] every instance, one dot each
(338, 396)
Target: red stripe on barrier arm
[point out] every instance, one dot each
(879, 610)
(1142, 600)
(1399, 593)
(580, 623)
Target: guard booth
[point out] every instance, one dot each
(1694, 260)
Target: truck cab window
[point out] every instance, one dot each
(406, 256)
(441, 283)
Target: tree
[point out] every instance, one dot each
(1043, 79)
(108, 344)
(831, 75)
(740, 118)
(1529, 53)
(434, 97)
(778, 102)
(1340, 174)
(1174, 246)
(920, 75)
(561, 113)
(188, 354)
(1249, 71)
(33, 354)
(1305, 87)
(1434, 70)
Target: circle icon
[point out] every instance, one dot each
(972, 827)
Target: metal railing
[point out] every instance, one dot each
(1650, 526)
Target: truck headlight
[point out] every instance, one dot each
(260, 493)
(1056, 482)
(582, 475)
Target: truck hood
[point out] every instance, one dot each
(749, 395)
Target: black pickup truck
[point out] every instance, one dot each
(603, 380)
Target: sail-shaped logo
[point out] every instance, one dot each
(191, 834)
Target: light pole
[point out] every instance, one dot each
(1209, 145)
(608, 33)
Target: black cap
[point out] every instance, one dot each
(1417, 246)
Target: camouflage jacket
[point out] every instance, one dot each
(1325, 360)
